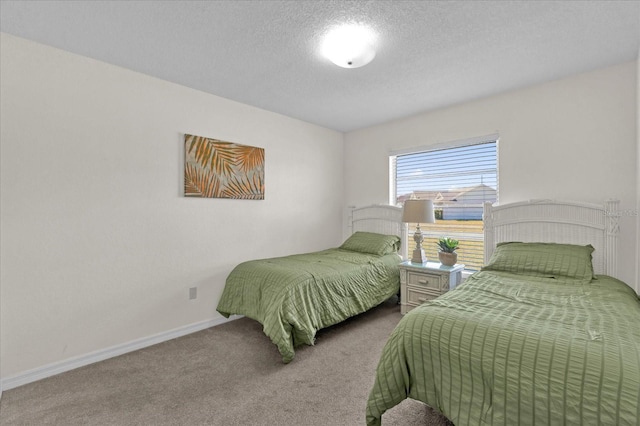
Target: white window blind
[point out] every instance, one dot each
(458, 180)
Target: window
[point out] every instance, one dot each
(459, 178)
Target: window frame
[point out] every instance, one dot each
(393, 154)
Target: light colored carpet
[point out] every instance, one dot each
(226, 375)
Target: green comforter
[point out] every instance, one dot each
(507, 349)
(294, 296)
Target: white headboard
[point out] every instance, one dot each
(380, 218)
(550, 221)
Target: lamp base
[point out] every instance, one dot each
(419, 256)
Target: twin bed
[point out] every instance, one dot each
(544, 334)
(295, 296)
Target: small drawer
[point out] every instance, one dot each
(419, 296)
(431, 281)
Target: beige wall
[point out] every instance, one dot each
(574, 138)
(638, 175)
(99, 247)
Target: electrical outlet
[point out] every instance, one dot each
(193, 293)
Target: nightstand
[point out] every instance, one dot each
(422, 282)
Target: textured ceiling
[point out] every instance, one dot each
(430, 54)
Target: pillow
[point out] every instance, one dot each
(543, 260)
(372, 243)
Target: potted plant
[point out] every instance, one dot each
(447, 253)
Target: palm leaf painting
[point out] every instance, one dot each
(218, 169)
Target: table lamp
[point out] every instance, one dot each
(418, 211)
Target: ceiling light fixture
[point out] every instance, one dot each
(349, 45)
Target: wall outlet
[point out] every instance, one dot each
(193, 293)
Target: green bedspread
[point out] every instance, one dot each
(294, 296)
(506, 349)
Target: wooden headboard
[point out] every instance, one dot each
(380, 218)
(550, 221)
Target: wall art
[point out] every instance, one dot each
(218, 169)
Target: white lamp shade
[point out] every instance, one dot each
(349, 46)
(418, 211)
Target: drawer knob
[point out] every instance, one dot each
(423, 281)
(422, 299)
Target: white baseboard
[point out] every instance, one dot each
(90, 358)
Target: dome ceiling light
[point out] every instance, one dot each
(349, 45)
